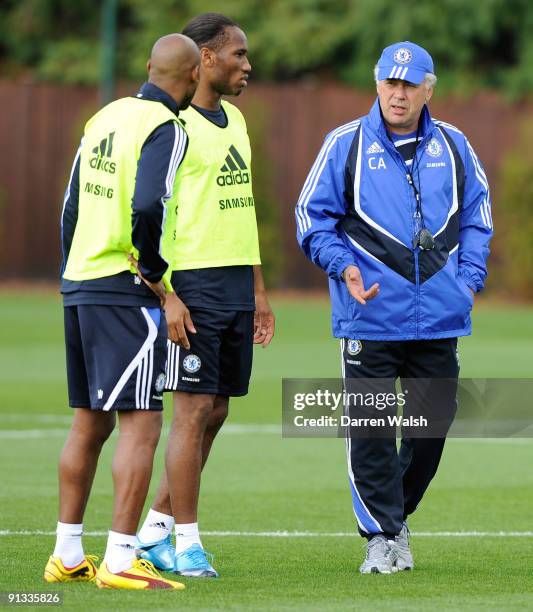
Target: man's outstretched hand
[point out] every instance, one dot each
(356, 287)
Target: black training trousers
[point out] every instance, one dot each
(388, 485)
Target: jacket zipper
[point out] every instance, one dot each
(417, 292)
(421, 144)
(415, 222)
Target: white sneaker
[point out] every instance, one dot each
(404, 557)
(380, 556)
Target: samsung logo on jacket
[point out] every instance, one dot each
(358, 207)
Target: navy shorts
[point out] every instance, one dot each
(219, 361)
(115, 357)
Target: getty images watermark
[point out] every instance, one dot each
(408, 407)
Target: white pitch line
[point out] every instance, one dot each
(21, 434)
(308, 534)
(235, 430)
(12, 417)
(231, 429)
(228, 429)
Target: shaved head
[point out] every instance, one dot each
(173, 66)
(172, 54)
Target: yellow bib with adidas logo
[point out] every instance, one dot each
(111, 148)
(216, 224)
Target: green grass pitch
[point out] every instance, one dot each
(257, 482)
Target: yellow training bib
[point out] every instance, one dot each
(216, 224)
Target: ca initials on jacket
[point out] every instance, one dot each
(373, 165)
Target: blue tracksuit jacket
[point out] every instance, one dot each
(358, 207)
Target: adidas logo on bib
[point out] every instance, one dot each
(234, 170)
(102, 154)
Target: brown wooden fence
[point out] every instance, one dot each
(41, 124)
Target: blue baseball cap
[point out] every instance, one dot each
(405, 61)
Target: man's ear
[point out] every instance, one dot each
(429, 93)
(148, 66)
(207, 57)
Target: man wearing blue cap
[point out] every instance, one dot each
(396, 209)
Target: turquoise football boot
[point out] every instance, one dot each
(193, 562)
(160, 553)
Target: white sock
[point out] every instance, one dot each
(186, 536)
(156, 526)
(68, 544)
(120, 552)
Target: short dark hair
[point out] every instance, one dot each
(209, 30)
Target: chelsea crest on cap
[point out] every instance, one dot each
(405, 61)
